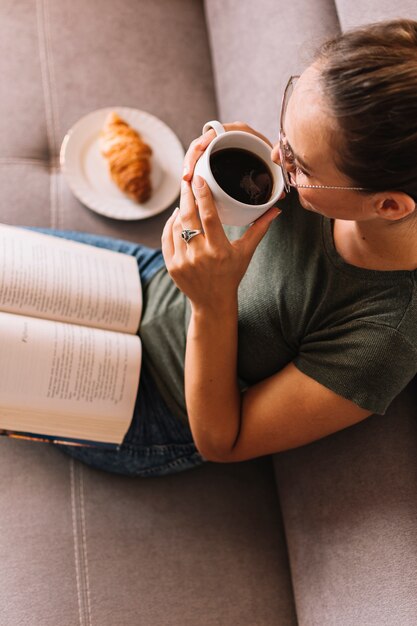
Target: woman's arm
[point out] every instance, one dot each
(208, 270)
(284, 411)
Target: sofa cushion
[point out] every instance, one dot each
(352, 15)
(349, 507)
(62, 60)
(79, 546)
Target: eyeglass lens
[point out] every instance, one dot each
(285, 153)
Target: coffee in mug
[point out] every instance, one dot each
(242, 175)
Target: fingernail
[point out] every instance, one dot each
(274, 214)
(185, 173)
(198, 182)
(184, 185)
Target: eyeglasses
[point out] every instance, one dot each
(286, 154)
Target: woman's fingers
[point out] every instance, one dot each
(199, 211)
(179, 243)
(247, 129)
(195, 151)
(209, 217)
(167, 239)
(188, 209)
(184, 217)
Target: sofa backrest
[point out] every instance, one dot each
(256, 46)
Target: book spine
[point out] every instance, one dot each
(12, 434)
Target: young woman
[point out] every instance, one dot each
(306, 323)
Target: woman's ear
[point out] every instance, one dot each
(393, 205)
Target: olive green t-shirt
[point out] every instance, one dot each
(351, 329)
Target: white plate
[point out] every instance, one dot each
(86, 170)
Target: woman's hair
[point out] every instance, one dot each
(370, 77)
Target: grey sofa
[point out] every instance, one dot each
(324, 535)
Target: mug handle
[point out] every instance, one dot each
(215, 125)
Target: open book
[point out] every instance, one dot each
(69, 356)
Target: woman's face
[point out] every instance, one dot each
(310, 131)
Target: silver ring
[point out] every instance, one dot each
(188, 234)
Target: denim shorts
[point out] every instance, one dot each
(157, 443)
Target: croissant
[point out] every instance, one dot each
(128, 158)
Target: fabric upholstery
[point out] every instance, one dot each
(256, 46)
(349, 506)
(79, 546)
(60, 61)
(352, 14)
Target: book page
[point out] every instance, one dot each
(67, 380)
(54, 278)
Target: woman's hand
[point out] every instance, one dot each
(198, 146)
(209, 268)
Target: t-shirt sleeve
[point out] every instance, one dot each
(365, 362)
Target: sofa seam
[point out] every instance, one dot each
(80, 547)
(85, 551)
(337, 11)
(22, 161)
(74, 533)
(285, 537)
(212, 58)
(50, 102)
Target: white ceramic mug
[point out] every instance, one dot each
(231, 211)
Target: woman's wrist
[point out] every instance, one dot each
(218, 309)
